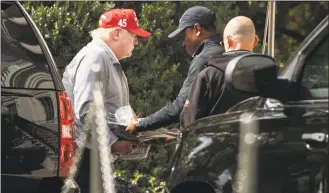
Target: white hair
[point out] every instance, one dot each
(102, 33)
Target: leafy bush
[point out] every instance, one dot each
(66, 25)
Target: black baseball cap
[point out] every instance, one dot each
(195, 14)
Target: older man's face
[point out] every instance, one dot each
(128, 41)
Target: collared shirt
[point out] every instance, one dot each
(79, 84)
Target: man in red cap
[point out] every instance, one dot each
(113, 40)
(124, 21)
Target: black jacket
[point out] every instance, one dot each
(170, 113)
(208, 94)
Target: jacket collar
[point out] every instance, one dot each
(236, 52)
(214, 39)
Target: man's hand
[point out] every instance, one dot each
(123, 147)
(132, 125)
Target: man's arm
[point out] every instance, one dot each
(84, 87)
(196, 103)
(206, 91)
(170, 113)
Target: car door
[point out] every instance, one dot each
(305, 129)
(314, 123)
(29, 113)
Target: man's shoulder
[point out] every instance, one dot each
(91, 54)
(207, 54)
(210, 71)
(209, 75)
(94, 50)
(200, 62)
(220, 61)
(89, 51)
(211, 50)
(217, 65)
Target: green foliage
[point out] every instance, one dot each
(144, 182)
(294, 21)
(66, 25)
(151, 70)
(136, 177)
(155, 187)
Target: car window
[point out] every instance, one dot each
(23, 63)
(315, 73)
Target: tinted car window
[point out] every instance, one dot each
(315, 73)
(23, 63)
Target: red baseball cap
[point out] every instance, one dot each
(123, 18)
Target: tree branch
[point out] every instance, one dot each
(280, 29)
(290, 33)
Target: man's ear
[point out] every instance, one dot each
(255, 41)
(229, 41)
(115, 34)
(198, 29)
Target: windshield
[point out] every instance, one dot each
(321, 29)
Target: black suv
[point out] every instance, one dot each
(275, 142)
(37, 126)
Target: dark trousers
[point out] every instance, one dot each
(84, 176)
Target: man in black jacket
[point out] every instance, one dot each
(208, 94)
(198, 26)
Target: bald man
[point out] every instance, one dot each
(240, 34)
(208, 94)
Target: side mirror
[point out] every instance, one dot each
(254, 74)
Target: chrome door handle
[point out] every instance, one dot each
(315, 139)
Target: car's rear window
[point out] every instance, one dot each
(23, 63)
